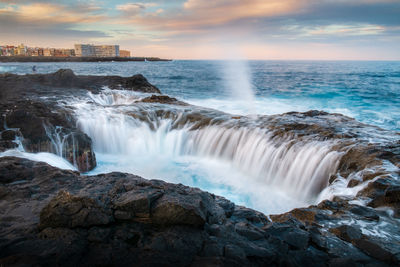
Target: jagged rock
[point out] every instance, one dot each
(38, 121)
(242, 213)
(53, 217)
(303, 215)
(117, 219)
(383, 192)
(365, 212)
(39, 127)
(8, 135)
(135, 204)
(354, 236)
(5, 145)
(356, 159)
(249, 231)
(163, 99)
(137, 83)
(70, 211)
(176, 208)
(18, 170)
(65, 78)
(347, 233)
(290, 234)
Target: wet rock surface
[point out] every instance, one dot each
(56, 217)
(163, 99)
(12, 84)
(31, 114)
(53, 217)
(40, 128)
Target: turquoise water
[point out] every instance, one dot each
(367, 91)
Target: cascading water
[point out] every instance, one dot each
(243, 163)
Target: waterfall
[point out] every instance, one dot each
(300, 168)
(115, 97)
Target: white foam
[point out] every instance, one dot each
(242, 163)
(6, 68)
(109, 97)
(49, 158)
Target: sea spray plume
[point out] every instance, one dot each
(237, 79)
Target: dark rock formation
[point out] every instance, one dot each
(29, 110)
(162, 99)
(39, 127)
(55, 217)
(12, 84)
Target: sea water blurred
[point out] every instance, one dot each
(368, 91)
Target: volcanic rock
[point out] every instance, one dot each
(39, 128)
(163, 99)
(29, 110)
(55, 217)
(65, 78)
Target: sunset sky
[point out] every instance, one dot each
(215, 29)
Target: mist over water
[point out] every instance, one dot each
(237, 81)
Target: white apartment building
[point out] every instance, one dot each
(88, 50)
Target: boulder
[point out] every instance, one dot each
(70, 211)
(39, 128)
(384, 192)
(136, 204)
(162, 99)
(175, 208)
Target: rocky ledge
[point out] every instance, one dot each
(13, 84)
(30, 112)
(53, 217)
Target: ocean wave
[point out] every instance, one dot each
(4, 69)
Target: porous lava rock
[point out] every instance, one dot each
(30, 112)
(57, 217)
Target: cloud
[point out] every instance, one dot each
(355, 30)
(201, 14)
(134, 8)
(51, 13)
(182, 23)
(32, 21)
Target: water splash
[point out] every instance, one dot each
(115, 97)
(49, 158)
(237, 79)
(243, 163)
(5, 69)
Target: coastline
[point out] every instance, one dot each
(119, 218)
(78, 59)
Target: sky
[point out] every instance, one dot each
(215, 29)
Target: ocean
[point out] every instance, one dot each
(244, 164)
(368, 91)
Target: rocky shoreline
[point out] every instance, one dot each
(50, 216)
(37, 123)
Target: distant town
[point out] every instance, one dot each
(80, 50)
